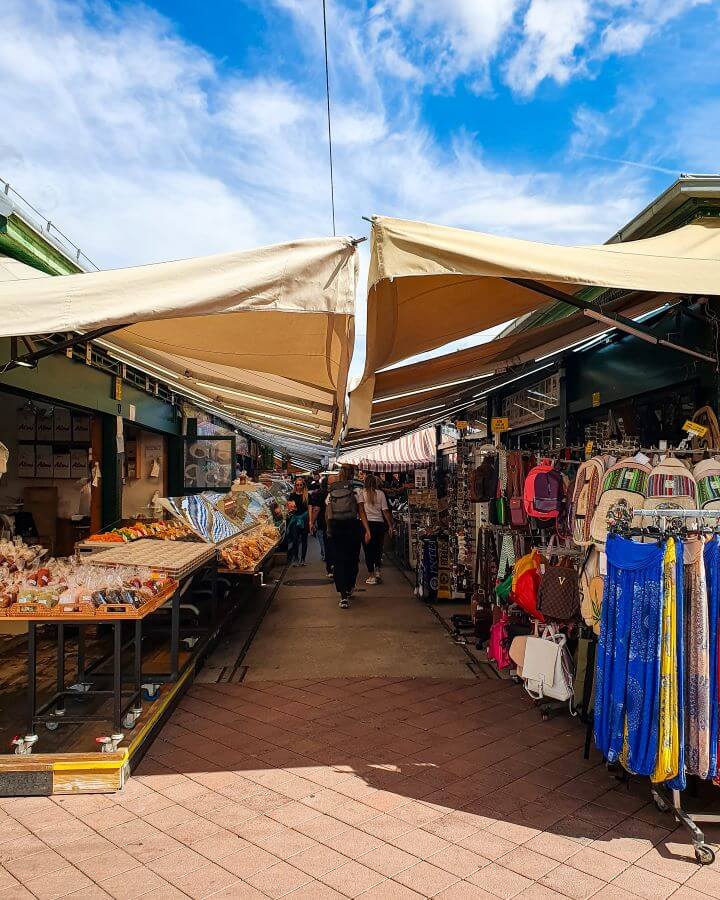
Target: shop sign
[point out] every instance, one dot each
(596, 398)
(695, 429)
(500, 424)
(461, 425)
(421, 479)
(117, 388)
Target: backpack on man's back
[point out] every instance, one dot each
(342, 501)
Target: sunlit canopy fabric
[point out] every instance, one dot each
(430, 284)
(408, 452)
(275, 322)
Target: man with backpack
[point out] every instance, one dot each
(346, 522)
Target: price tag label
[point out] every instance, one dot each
(461, 425)
(695, 429)
(500, 424)
(589, 449)
(596, 398)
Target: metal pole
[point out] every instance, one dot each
(117, 676)
(31, 692)
(60, 679)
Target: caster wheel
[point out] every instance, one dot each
(661, 805)
(129, 721)
(704, 855)
(150, 692)
(52, 726)
(544, 716)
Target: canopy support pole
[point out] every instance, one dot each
(616, 320)
(29, 360)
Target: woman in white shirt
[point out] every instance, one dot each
(379, 521)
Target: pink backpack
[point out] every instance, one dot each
(544, 491)
(498, 647)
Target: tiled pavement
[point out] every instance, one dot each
(379, 788)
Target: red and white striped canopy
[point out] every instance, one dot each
(411, 451)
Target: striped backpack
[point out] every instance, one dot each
(585, 496)
(707, 478)
(624, 489)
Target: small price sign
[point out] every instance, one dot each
(596, 398)
(499, 424)
(461, 425)
(589, 449)
(695, 429)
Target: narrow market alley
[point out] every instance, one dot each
(360, 756)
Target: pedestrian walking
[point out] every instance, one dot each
(318, 524)
(348, 527)
(379, 522)
(297, 525)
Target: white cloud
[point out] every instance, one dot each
(552, 32)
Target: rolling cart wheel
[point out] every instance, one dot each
(129, 721)
(660, 804)
(24, 745)
(150, 692)
(704, 855)
(52, 726)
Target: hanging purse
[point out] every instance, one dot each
(559, 591)
(592, 585)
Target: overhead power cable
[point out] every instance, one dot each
(329, 128)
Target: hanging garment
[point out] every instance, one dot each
(679, 782)
(507, 557)
(666, 766)
(628, 657)
(712, 560)
(697, 660)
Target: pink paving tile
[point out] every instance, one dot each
(388, 860)
(594, 862)
(705, 880)
(555, 846)
(458, 861)
(315, 890)
(85, 848)
(464, 890)
(142, 841)
(285, 843)
(278, 880)
(451, 828)
(385, 827)
(488, 845)
(178, 863)
(420, 843)
(671, 859)
(93, 892)
(44, 862)
(135, 883)
(353, 843)
(499, 881)
(645, 884)
(322, 828)
(205, 881)
(20, 846)
(426, 878)
(352, 879)
(58, 884)
(218, 845)
(572, 882)
(245, 863)
(318, 860)
(515, 831)
(528, 863)
(194, 829)
(104, 865)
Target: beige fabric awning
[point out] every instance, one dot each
(430, 284)
(251, 329)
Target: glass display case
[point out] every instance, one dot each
(209, 463)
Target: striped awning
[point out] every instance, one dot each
(411, 451)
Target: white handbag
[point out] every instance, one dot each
(547, 669)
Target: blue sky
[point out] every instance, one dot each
(174, 128)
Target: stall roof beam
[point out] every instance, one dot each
(29, 360)
(622, 323)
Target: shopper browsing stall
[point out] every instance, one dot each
(379, 522)
(348, 526)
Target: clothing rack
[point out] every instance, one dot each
(704, 853)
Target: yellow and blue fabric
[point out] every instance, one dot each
(668, 750)
(679, 781)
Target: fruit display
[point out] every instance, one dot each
(244, 553)
(64, 585)
(125, 534)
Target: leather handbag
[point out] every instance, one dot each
(559, 591)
